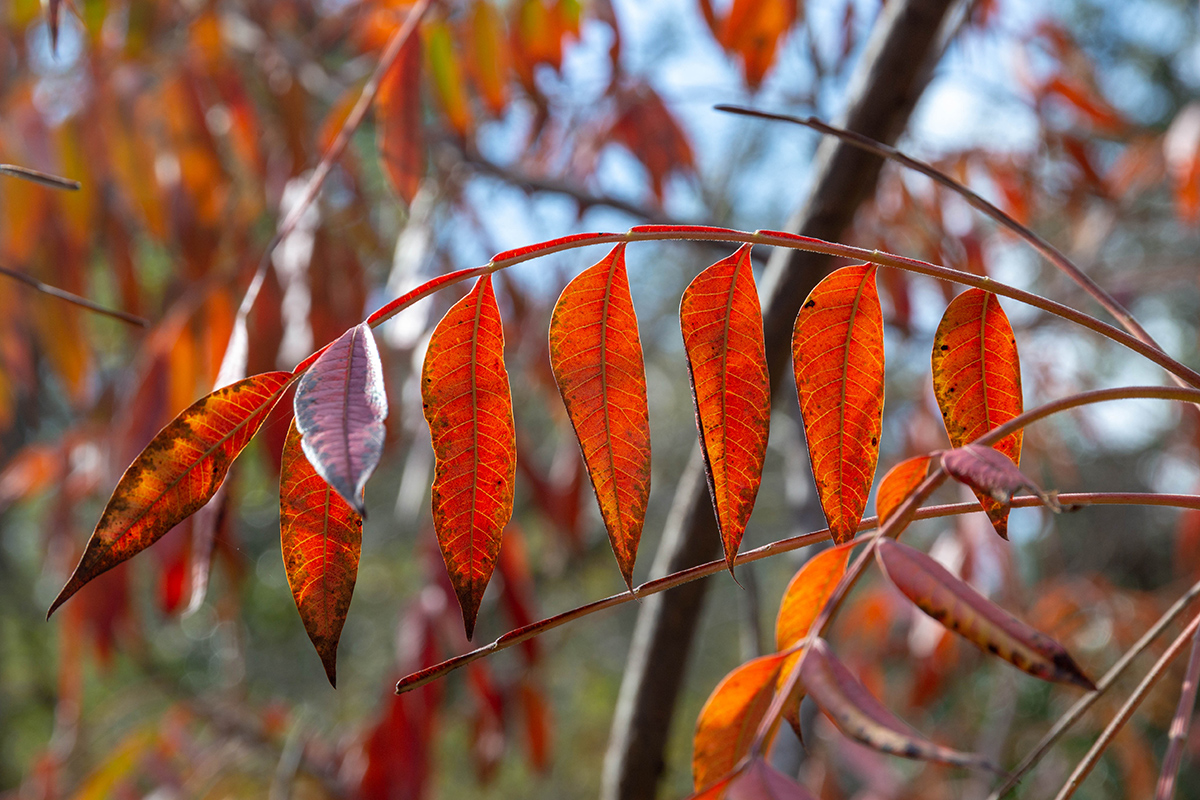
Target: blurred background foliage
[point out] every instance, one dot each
(193, 126)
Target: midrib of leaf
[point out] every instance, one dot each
(346, 407)
(608, 441)
(845, 380)
(475, 425)
(983, 364)
(724, 387)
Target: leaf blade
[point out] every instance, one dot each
(399, 129)
(468, 405)
(729, 720)
(721, 320)
(899, 482)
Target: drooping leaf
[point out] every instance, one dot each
(447, 74)
(899, 482)
(960, 608)
(729, 720)
(991, 473)
(648, 128)
(723, 335)
(176, 474)
(752, 30)
(977, 379)
(340, 408)
(320, 536)
(760, 781)
(489, 56)
(468, 404)
(596, 356)
(857, 713)
(807, 592)
(399, 133)
(837, 350)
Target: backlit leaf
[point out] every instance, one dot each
(977, 379)
(181, 468)
(399, 128)
(752, 30)
(857, 713)
(340, 408)
(447, 75)
(807, 592)
(729, 720)
(597, 360)
(468, 404)
(723, 334)
(321, 537)
(837, 350)
(899, 482)
(648, 128)
(960, 608)
(489, 56)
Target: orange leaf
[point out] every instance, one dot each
(960, 608)
(977, 379)
(837, 349)
(321, 538)
(727, 363)
(805, 596)
(597, 361)
(468, 404)
(753, 29)
(399, 127)
(729, 720)
(489, 56)
(899, 482)
(653, 136)
(177, 473)
(447, 75)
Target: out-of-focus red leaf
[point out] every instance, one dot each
(977, 379)
(176, 474)
(857, 713)
(488, 55)
(752, 30)
(468, 404)
(1086, 101)
(31, 471)
(960, 608)
(597, 360)
(899, 482)
(446, 71)
(837, 351)
(321, 538)
(760, 781)
(723, 335)
(535, 711)
(399, 127)
(1181, 149)
(517, 590)
(992, 473)
(729, 720)
(488, 739)
(340, 407)
(647, 127)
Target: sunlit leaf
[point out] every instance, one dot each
(597, 360)
(723, 335)
(446, 71)
(176, 474)
(340, 408)
(837, 349)
(807, 592)
(971, 615)
(729, 720)
(468, 404)
(321, 537)
(648, 128)
(977, 379)
(899, 482)
(752, 30)
(399, 131)
(489, 56)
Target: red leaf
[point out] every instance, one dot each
(653, 136)
(860, 716)
(597, 360)
(977, 379)
(760, 781)
(837, 349)
(729, 720)
(991, 473)
(399, 129)
(966, 612)
(340, 408)
(467, 402)
(807, 592)
(899, 482)
(181, 468)
(321, 537)
(753, 29)
(727, 363)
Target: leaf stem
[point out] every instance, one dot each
(1180, 724)
(36, 176)
(74, 299)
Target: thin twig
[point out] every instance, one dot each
(1180, 724)
(36, 176)
(1084, 767)
(74, 299)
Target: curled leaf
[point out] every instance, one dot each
(991, 473)
(960, 608)
(727, 363)
(899, 482)
(729, 720)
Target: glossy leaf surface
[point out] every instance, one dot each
(340, 408)
(596, 356)
(837, 350)
(468, 404)
(399, 131)
(860, 716)
(729, 720)
(977, 379)
(722, 329)
(899, 482)
(176, 474)
(320, 536)
(960, 608)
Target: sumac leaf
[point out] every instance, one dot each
(837, 351)
(899, 482)
(760, 781)
(399, 128)
(488, 56)
(729, 720)
(468, 404)
(320, 536)
(977, 380)
(722, 329)
(447, 75)
(176, 474)
(597, 360)
(991, 473)
(960, 608)
(340, 408)
(857, 713)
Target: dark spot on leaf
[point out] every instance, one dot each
(810, 304)
(945, 347)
